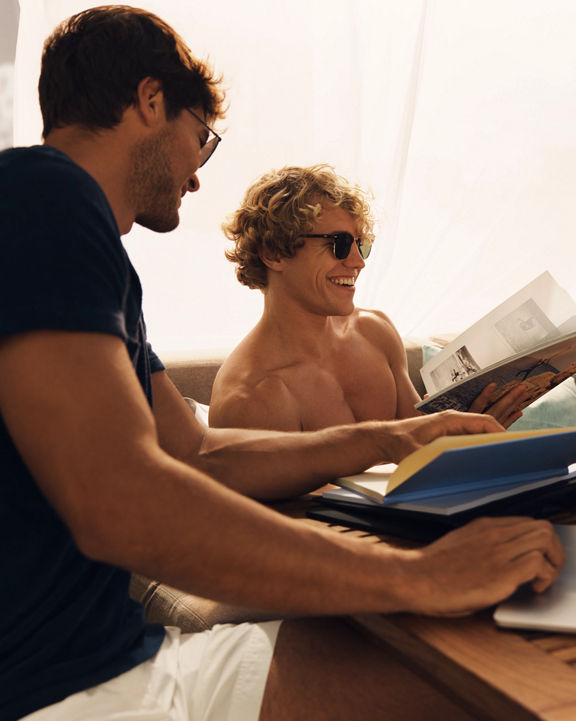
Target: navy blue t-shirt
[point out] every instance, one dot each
(66, 622)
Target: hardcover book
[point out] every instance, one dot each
(456, 473)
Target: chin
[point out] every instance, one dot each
(159, 224)
(341, 312)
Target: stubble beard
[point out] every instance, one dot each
(153, 189)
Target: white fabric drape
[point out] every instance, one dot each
(459, 116)
(487, 200)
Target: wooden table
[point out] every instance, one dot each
(494, 673)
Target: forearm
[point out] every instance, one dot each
(269, 465)
(172, 523)
(193, 533)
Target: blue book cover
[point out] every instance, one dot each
(456, 473)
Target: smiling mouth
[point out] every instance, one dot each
(348, 282)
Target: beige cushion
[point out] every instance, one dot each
(193, 377)
(171, 607)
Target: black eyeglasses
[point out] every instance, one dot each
(211, 143)
(342, 243)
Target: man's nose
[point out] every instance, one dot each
(355, 258)
(193, 183)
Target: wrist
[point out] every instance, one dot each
(390, 440)
(404, 590)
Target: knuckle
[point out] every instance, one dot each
(538, 563)
(545, 528)
(484, 524)
(450, 413)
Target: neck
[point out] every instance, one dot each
(298, 328)
(105, 156)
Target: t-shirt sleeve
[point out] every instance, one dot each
(155, 362)
(63, 265)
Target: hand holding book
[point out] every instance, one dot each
(507, 408)
(530, 338)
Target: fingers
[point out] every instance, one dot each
(507, 422)
(507, 408)
(535, 568)
(408, 435)
(519, 535)
(483, 563)
(463, 423)
(531, 549)
(511, 399)
(544, 575)
(539, 537)
(482, 400)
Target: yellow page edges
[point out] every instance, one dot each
(420, 458)
(378, 481)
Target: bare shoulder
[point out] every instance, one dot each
(379, 331)
(376, 327)
(264, 402)
(252, 390)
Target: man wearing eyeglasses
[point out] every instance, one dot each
(104, 470)
(303, 236)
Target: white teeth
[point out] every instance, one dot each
(344, 281)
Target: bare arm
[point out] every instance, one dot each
(379, 330)
(273, 464)
(77, 414)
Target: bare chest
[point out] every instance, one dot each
(349, 388)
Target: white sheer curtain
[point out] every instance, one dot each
(487, 200)
(459, 116)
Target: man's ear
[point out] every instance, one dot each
(149, 101)
(272, 262)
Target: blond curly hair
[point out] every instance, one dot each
(282, 205)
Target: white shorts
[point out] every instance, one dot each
(216, 675)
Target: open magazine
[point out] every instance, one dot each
(529, 338)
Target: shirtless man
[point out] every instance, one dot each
(302, 236)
